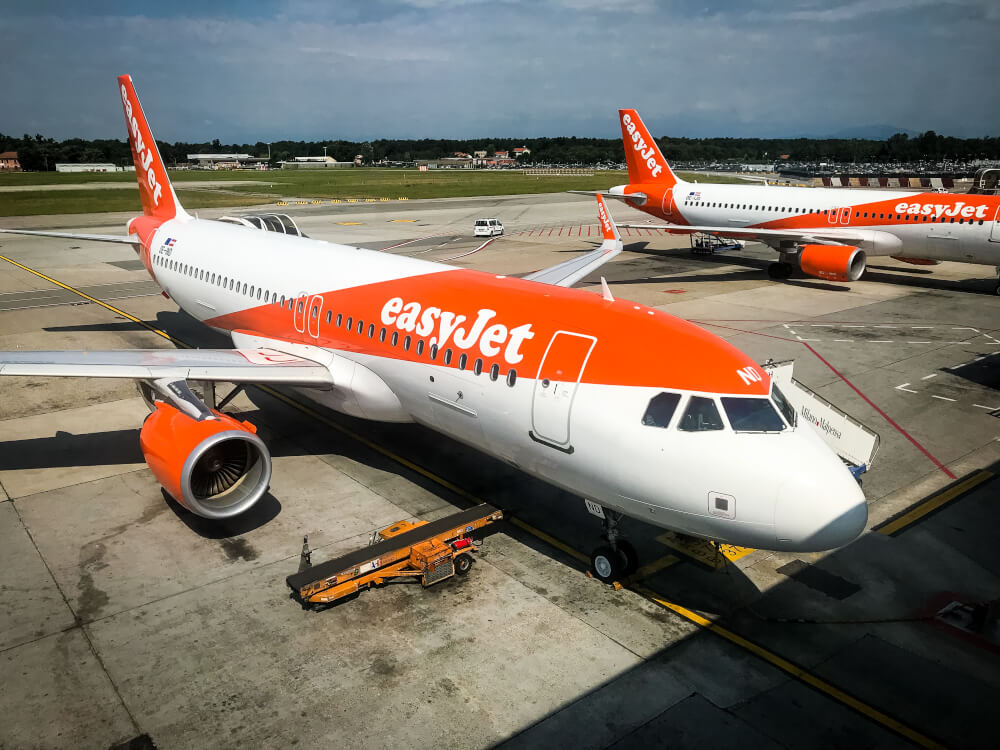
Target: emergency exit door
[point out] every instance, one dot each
(556, 385)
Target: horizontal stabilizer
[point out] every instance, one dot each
(637, 198)
(131, 239)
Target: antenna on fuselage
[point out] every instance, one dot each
(605, 291)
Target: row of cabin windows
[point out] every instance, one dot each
(748, 207)
(359, 327)
(916, 217)
(223, 282)
(418, 345)
(857, 214)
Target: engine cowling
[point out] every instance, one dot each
(216, 468)
(833, 262)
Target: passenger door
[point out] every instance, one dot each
(556, 385)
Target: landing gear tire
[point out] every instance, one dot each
(996, 290)
(628, 556)
(779, 270)
(463, 564)
(606, 564)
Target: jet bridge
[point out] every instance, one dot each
(855, 443)
(280, 223)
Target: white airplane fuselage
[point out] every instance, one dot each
(935, 226)
(583, 434)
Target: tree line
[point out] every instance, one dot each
(37, 153)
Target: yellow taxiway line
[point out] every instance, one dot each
(931, 504)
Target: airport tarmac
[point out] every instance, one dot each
(123, 616)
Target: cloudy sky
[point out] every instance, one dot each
(249, 71)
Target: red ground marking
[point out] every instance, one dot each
(674, 291)
(628, 231)
(560, 231)
(588, 231)
(853, 387)
(550, 232)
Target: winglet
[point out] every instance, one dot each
(642, 156)
(606, 291)
(155, 191)
(608, 229)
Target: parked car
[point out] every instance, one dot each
(487, 228)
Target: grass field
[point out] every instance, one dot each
(279, 184)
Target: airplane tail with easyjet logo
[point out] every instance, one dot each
(155, 191)
(645, 162)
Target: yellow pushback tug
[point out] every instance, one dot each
(431, 551)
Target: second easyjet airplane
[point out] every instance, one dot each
(640, 412)
(826, 232)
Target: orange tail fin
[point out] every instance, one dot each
(645, 162)
(155, 191)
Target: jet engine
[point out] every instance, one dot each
(215, 467)
(833, 262)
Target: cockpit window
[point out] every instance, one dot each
(752, 415)
(702, 414)
(661, 409)
(782, 403)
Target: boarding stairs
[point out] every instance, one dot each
(855, 443)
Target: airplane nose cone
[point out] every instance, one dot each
(821, 514)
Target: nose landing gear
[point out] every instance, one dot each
(618, 557)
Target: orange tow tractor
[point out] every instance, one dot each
(431, 551)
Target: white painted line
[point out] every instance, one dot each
(820, 325)
(991, 408)
(855, 326)
(928, 377)
(904, 388)
(802, 339)
(943, 398)
(975, 360)
(919, 342)
(843, 340)
(966, 328)
(786, 325)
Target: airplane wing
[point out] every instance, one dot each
(571, 271)
(831, 236)
(225, 365)
(131, 239)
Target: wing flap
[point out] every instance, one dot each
(225, 365)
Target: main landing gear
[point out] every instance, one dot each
(780, 270)
(616, 559)
(996, 289)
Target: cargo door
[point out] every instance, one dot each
(556, 386)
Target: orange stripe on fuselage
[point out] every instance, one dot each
(510, 322)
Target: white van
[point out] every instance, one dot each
(487, 228)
